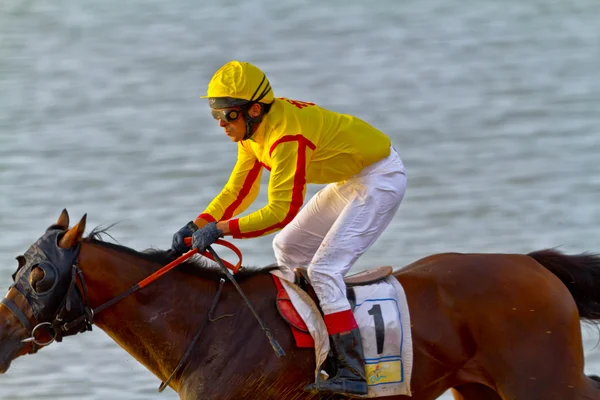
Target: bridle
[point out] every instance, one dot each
(62, 276)
(62, 324)
(58, 326)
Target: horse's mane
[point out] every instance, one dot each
(198, 266)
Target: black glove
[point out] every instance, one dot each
(178, 244)
(206, 236)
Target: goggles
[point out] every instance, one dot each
(227, 115)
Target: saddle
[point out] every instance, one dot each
(291, 316)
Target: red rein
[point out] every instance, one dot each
(234, 268)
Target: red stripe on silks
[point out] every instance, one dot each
(291, 138)
(206, 217)
(266, 167)
(338, 322)
(248, 182)
(299, 184)
(234, 228)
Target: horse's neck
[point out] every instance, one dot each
(145, 323)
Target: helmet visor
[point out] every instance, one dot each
(226, 102)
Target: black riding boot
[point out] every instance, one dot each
(350, 377)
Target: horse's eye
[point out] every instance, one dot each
(42, 278)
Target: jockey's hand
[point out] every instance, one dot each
(178, 244)
(206, 236)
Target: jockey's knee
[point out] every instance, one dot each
(279, 247)
(287, 254)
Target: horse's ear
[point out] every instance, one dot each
(73, 235)
(63, 220)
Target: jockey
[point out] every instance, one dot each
(300, 143)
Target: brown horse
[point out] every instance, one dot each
(487, 326)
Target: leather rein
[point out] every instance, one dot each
(59, 327)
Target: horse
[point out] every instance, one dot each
(485, 326)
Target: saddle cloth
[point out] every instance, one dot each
(381, 312)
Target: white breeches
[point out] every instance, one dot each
(338, 225)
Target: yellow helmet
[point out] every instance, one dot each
(237, 83)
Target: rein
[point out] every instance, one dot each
(151, 278)
(214, 256)
(86, 319)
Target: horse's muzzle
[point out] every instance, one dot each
(8, 351)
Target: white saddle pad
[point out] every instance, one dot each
(382, 315)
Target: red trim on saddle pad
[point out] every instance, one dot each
(303, 339)
(289, 312)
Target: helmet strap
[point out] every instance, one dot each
(251, 122)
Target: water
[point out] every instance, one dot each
(493, 106)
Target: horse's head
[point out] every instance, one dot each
(45, 294)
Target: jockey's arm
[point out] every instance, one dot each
(287, 183)
(239, 192)
(222, 225)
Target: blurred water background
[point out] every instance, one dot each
(493, 106)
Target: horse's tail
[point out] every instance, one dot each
(581, 275)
